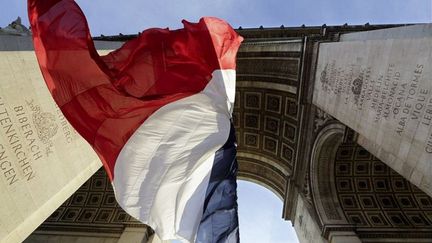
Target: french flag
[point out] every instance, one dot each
(158, 113)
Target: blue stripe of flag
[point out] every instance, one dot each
(219, 223)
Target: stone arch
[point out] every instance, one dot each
(266, 113)
(328, 210)
(377, 200)
(353, 192)
(264, 175)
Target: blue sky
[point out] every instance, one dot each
(111, 17)
(131, 16)
(261, 216)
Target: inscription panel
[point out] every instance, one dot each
(383, 90)
(42, 159)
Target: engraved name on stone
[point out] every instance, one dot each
(42, 158)
(27, 131)
(386, 94)
(382, 89)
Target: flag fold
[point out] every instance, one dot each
(156, 110)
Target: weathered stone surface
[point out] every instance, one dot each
(305, 226)
(42, 159)
(382, 88)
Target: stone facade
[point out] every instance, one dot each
(289, 141)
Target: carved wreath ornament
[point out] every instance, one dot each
(45, 126)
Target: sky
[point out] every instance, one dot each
(110, 17)
(260, 216)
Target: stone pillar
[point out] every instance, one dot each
(343, 237)
(379, 83)
(155, 239)
(134, 235)
(306, 228)
(42, 159)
